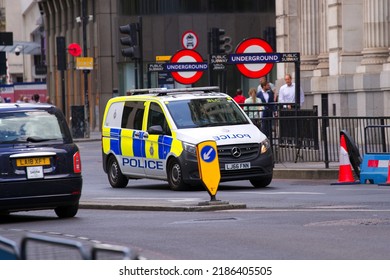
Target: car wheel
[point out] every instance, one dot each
(114, 173)
(67, 211)
(175, 176)
(261, 183)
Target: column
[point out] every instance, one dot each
(376, 32)
(309, 33)
(323, 57)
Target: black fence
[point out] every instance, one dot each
(301, 135)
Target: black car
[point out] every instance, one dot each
(40, 165)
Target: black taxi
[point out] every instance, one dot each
(40, 165)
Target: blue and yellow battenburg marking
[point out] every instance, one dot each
(133, 145)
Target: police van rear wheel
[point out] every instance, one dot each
(175, 176)
(115, 176)
(261, 183)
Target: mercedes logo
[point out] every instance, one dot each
(236, 152)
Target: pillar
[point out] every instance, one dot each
(310, 33)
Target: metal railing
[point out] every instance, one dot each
(40, 247)
(301, 135)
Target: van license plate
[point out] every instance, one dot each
(35, 161)
(235, 166)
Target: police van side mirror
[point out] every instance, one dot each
(155, 129)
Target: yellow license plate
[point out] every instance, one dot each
(36, 161)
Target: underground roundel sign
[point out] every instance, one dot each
(186, 66)
(251, 59)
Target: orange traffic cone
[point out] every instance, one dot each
(387, 183)
(345, 168)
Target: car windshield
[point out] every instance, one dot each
(29, 126)
(206, 112)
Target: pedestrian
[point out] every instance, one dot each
(287, 92)
(20, 100)
(272, 88)
(35, 98)
(266, 95)
(254, 112)
(239, 98)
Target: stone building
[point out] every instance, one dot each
(345, 47)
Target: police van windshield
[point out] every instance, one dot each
(206, 112)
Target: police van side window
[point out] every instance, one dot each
(157, 117)
(133, 113)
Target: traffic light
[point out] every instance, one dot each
(3, 63)
(61, 53)
(131, 42)
(220, 44)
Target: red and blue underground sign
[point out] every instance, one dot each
(186, 66)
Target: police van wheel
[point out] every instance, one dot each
(261, 183)
(175, 176)
(115, 176)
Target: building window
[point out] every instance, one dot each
(150, 7)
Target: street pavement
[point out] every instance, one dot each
(285, 170)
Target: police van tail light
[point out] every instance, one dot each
(264, 146)
(77, 163)
(190, 148)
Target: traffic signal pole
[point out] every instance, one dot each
(85, 20)
(141, 55)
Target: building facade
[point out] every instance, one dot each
(24, 20)
(345, 58)
(344, 47)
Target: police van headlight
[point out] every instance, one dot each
(190, 148)
(264, 146)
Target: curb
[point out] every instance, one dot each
(176, 208)
(306, 174)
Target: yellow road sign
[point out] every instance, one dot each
(163, 57)
(84, 63)
(208, 165)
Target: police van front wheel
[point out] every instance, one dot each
(175, 176)
(261, 182)
(114, 173)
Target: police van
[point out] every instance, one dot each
(153, 133)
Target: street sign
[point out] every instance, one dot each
(250, 60)
(155, 67)
(74, 49)
(208, 165)
(189, 40)
(290, 57)
(163, 58)
(84, 63)
(187, 66)
(218, 62)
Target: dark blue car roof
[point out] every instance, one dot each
(23, 106)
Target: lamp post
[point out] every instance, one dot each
(85, 19)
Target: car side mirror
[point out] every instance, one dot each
(155, 129)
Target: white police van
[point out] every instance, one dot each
(153, 134)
